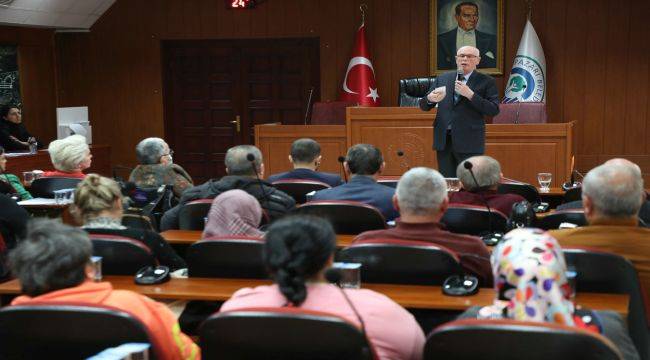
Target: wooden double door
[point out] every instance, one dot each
(216, 91)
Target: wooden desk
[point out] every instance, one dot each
(189, 237)
(409, 296)
(101, 163)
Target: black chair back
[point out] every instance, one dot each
(121, 255)
(143, 196)
(281, 333)
(347, 217)
(471, 339)
(411, 90)
(227, 257)
(393, 261)
(192, 215)
(473, 220)
(554, 220)
(602, 272)
(298, 188)
(60, 331)
(574, 194)
(527, 191)
(46, 186)
(135, 221)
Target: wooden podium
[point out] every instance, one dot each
(522, 149)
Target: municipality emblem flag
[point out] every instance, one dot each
(527, 82)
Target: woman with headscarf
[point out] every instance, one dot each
(234, 212)
(531, 285)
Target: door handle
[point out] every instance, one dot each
(237, 122)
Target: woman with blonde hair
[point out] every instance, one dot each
(70, 157)
(98, 206)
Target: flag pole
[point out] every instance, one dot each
(363, 7)
(529, 6)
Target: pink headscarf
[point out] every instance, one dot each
(234, 212)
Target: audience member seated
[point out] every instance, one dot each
(644, 211)
(98, 206)
(12, 180)
(421, 198)
(612, 195)
(305, 157)
(234, 212)
(241, 175)
(13, 220)
(13, 134)
(47, 276)
(297, 252)
(531, 285)
(488, 174)
(70, 156)
(363, 163)
(157, 167)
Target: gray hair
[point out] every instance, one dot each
(486, 169)
(615, 190)
(53, 256)
(150, 150)
(237, 161)
(66, 154)
(421, 191)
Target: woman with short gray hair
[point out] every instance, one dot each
(70, 157)
(157, 167)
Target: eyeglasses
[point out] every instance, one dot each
(170, 153)
(466, 56)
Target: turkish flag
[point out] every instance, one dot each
(359, 84)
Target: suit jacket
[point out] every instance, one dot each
(486, 43)
(467, 117)
(363, 189)
(307, 174)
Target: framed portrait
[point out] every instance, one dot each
(9, 76)
(457, 23)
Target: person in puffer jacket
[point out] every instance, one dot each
(241, 175)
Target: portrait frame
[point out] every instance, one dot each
(442, 29)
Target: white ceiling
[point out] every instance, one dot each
(63, 14)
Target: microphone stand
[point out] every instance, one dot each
(250, 157)
(341, 160)
(491, 238)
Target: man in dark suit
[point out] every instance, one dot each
(305, 157)
(364, 163)
(466, 34)
(463, 99)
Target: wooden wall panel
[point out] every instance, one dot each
(37, 80)
(597, 57)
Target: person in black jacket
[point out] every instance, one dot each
(13, 134)
(13, 220)
(305, 157)
(241, 175)
(464, 98)
(98, 205)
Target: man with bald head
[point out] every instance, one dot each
(612, 194)
(463, 98)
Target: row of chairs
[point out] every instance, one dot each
(349, 217)
(244, 334)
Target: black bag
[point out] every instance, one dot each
(522, 215)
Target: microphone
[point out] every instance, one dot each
(250, 157)
(518, 107)
(341, 160)
(405, 163)
(311, 92)
(491, 238)
(333, 276)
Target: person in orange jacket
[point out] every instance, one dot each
(46, 276)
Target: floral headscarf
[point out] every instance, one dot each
(529, 274)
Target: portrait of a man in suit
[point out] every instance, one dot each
(458, 26)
